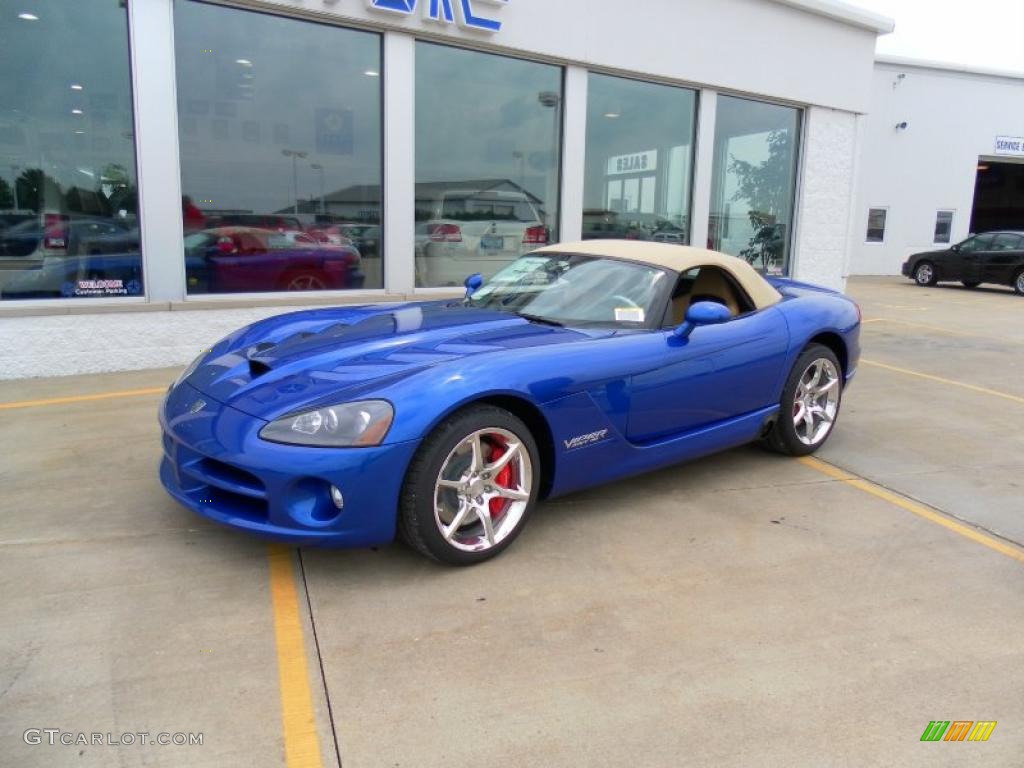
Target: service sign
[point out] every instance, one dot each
(638, 162)
(464, 13)
(1010, 145)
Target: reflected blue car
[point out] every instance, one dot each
(444, 422)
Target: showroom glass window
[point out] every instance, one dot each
(68, 187)
(279, 122)
(639, 165)
(488, 134)
(754, 181)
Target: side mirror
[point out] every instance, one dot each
(955, 248)
(702, 313)
(473, 283)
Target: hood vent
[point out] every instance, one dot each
(257, 368)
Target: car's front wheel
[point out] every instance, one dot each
(1018, 283)
(471, 486)
(810, 403)
(925, 274)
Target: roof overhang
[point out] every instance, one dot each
(845, 13)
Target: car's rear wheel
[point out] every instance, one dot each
(303, 281)
(471, 486)
(971, 283)
(1018, 283)
(810, 403)
(925, 274)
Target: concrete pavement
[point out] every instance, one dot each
(744, 610)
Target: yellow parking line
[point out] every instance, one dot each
(82, 398)
(298, 721)
(941, 380)
(997, 545)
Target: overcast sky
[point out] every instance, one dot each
(980, 33)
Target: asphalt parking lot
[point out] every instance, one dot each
(744, 610)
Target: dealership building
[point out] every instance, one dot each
(178, 154)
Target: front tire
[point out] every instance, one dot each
(1018, 283)
(810, 403)
(471, 487)
(925, 274)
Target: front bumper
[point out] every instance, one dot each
(216, 464)
(906, 268)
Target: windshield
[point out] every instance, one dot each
(576, 290)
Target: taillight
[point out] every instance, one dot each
(536, 235)
(445, 233)
(54, 234)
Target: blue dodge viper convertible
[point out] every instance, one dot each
(446, 421)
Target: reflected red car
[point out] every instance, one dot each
(245, 259)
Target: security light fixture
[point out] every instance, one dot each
(28, 16)
(76, 87)
(612, 115)
(243, 62)
(371, 73)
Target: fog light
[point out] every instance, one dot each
(337, 498)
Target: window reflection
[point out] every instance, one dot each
(488, 133)
(280, 131)
(639, 160)
(68, 193)
(754, 181)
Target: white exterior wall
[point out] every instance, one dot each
(953, 118)
(826, 194)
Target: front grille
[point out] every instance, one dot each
(229, 491)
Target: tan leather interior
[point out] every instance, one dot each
(710, 282)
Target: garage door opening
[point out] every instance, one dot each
(998, 196)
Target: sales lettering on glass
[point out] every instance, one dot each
(460, 12)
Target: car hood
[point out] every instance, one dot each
(319, 357)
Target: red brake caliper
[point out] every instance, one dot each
(503, 478)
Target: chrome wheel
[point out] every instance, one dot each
(483, 490)
(306, 283)
(924, 274)
(816, 402)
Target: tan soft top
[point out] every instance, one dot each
(679, 258)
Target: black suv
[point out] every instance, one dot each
(993, 257)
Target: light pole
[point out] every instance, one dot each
(320, 168)
(14, 175)
(295, 155)
(552, 100)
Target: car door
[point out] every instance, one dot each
(1000, 263)
(720, 372)
(969, 256)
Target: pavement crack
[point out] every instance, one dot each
(320, 659)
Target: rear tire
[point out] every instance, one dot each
(460, 504)
(970, 283)
(810, 403)
(925, 274)
(1018, 283)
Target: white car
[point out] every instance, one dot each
(473, 230)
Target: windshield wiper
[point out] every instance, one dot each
(541, 320)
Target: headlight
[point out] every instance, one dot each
(349, 424)
(191, 367)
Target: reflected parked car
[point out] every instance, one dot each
(477, 230)
(240, 259)
(54, 234)
(992, 257)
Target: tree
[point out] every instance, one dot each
(766, 188)
(6, 195)
(38, 191)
